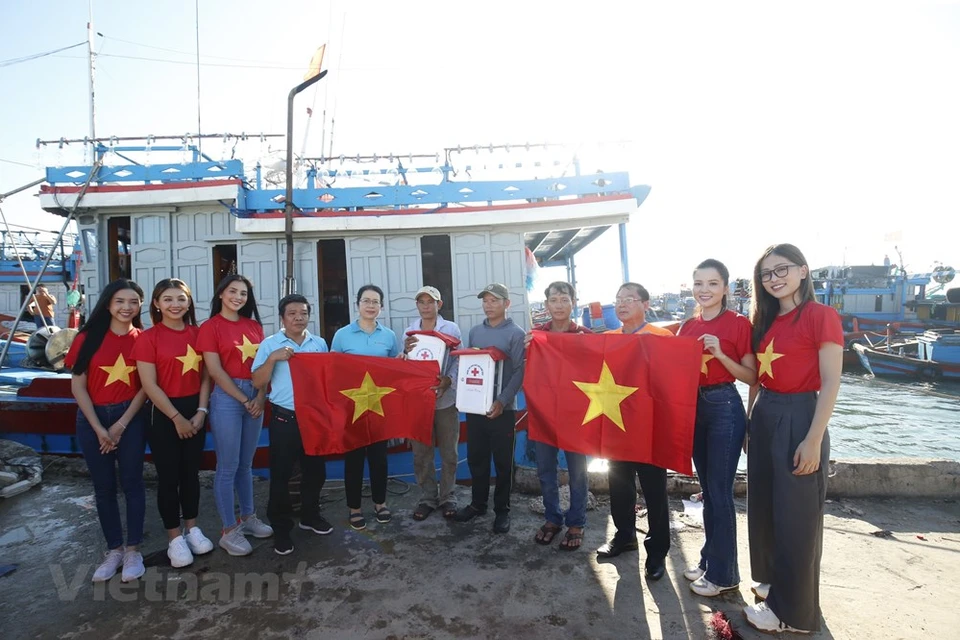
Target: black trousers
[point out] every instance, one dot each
(622, 476)
(486, 438)
(784, 511)
(376, 455)
(286, 448)
(177, 462)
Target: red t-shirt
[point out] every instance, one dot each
(235, 342)
(733, 330)
(112, 372)
(175, 355)
(789, 357)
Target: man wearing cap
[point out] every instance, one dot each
(493, 434)
(446, 418)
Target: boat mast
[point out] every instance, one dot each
(91, 58)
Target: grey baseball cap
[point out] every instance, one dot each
(496, 289)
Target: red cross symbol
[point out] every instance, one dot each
(475, 371)
(424, 355)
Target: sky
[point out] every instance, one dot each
(832, 126)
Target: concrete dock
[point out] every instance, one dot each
(889, 571)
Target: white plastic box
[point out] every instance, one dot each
(479, 379)
(429, 348)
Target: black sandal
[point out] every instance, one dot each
(547, 533)
(422, 512)
(569, 538)
(357, 521)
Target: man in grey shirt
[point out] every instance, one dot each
(493, 434)
(446, 418)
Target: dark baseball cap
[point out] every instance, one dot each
(496, 289)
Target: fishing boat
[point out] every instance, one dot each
(456, 222)
(931, 356)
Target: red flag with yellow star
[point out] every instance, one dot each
(615, 396)
(344, 402)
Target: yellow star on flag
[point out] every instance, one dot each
(605, 397)
(704, 359)
(766, 360)
(119, 372)
(367, 397)
(191, 360)
(248, 349)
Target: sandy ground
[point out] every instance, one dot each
(436, 579)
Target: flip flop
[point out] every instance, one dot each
(422, 512)
(449, 509)
(547, 533)
(568, 538)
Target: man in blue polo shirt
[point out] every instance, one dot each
(271, 367)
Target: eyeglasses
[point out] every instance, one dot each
(627, 300)
(370, 302)
(781, 272)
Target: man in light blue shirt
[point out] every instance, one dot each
(271, 367)
(446, 418)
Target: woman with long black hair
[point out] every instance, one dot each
(110, 423)
(229, 341)
(721, 423)
(174, 378)
(799, 347)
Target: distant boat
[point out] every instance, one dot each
(931, 356)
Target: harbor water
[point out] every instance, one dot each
(877, 418)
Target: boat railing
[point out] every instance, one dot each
(331, 186)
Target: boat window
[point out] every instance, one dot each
(878, 303)
(334, 307)
(438, 270)
(118, 247)
(224, 262)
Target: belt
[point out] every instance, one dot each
(711, 387)
(279, 411)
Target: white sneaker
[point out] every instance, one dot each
(703, 587)
(693, 573)
(132, 566)
(199, 543)
(179, 553)
(234, 543)
(108, 568)
(256, 527)
(761, 590)
(762, 618)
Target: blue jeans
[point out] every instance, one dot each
(128, 456)
(717, 442)
(576, 516)
(235, 437)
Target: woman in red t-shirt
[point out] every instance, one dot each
(799, 347)
(721, 423)
(172, 374)
(229, 341)
(110, 423)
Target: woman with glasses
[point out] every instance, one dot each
(229, 341)
(365, 336)
(721, 423)
(799, 347)
(110, 423)
(171, 371)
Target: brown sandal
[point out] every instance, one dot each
(571, 541)
(422, 512)
(449, 509)
(547, 533)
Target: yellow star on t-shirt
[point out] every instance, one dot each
(248, 349)
(367, 397)
(704, 359)
(191, 360)
(605, 397)
(766, 360)
(119, 372)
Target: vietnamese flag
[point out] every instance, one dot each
(615, 396)
(344, 402)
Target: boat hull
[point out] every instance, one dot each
(894, 364)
